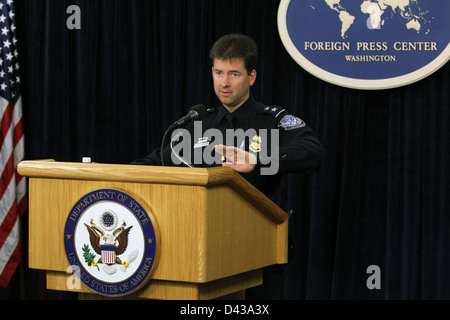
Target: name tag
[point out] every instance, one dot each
(202, 142)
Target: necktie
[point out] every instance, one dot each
(230, 125)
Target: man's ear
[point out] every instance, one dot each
(252, 77)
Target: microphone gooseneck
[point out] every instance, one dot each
(197, 112)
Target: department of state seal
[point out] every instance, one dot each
(113, 240)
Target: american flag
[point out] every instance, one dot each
(12, 186)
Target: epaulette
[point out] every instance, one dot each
(273, 110)
(211, 110)
(287, 121)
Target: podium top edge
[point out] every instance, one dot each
(124, 173)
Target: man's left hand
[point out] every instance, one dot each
(241, 160)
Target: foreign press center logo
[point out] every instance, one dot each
(113, 242)
(367, 44)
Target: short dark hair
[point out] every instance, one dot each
(236, 46)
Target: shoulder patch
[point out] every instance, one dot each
(291, 122)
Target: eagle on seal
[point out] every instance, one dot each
(118, 241)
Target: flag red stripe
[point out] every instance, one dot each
(18, 132)
(5, 123)
(22, 206)
(11, 266)
(7, 175)
(8, 223)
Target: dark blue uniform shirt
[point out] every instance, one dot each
(297, 150)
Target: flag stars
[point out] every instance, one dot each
(9, 66)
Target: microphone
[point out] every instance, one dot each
(197, 112)
(172, 142)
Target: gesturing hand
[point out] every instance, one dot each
(241, 160)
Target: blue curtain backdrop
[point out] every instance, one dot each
(380, 198)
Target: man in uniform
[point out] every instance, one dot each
(294, 148)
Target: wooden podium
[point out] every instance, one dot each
(216, 230)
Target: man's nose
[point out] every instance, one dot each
(224, 81)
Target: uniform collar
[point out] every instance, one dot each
(242, 113)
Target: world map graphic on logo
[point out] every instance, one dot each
(368, 44)
(381, 11)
